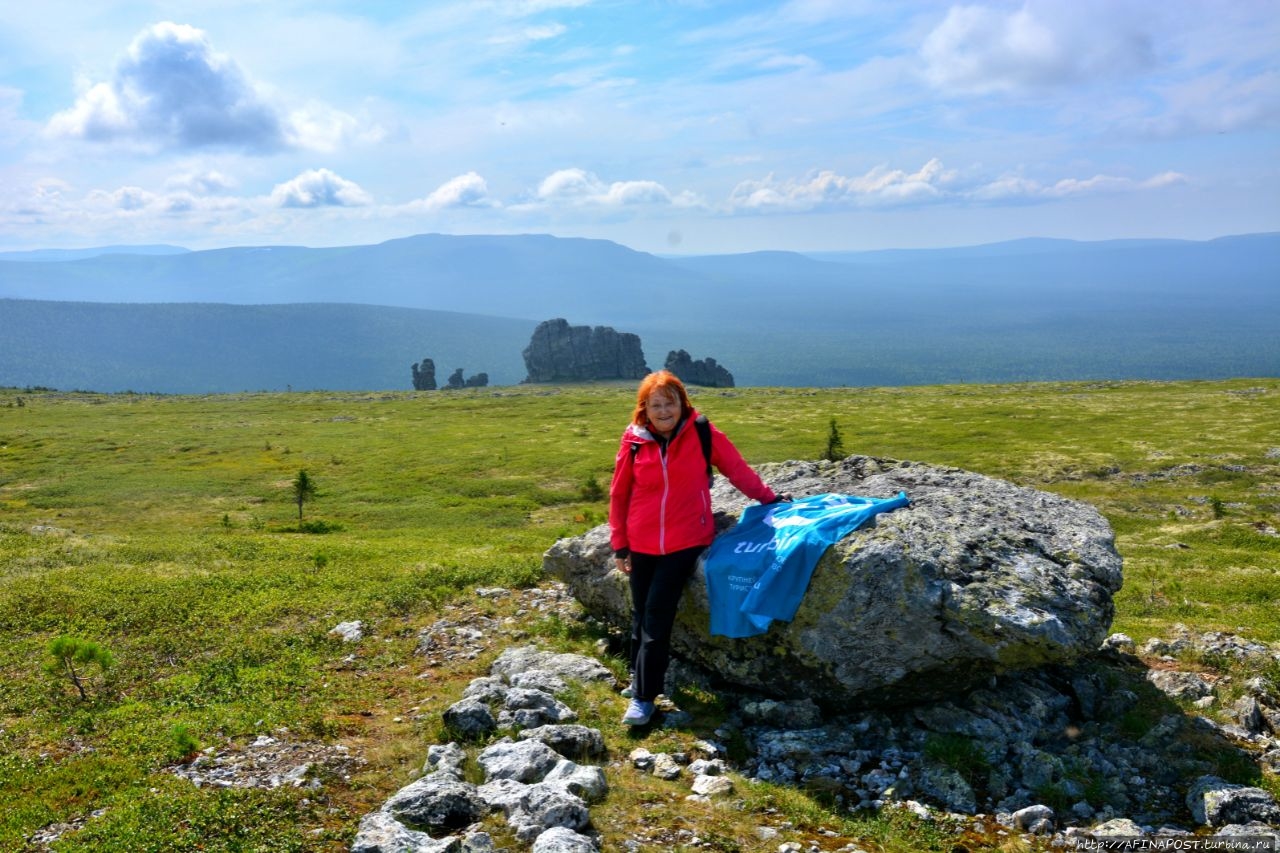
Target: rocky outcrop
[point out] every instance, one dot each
(1052, 752)
(424, 375)
(1061, 734)
(535, 781)
(424, 378)
(558, 352)
(705, 372)
(455, 382)
(268, 762)
(977, 577)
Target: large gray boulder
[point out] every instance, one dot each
(977, 577)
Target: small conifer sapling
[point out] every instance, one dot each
(75, 658)
(835, 444)
(304, 489)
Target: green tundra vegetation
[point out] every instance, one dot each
(161, 534)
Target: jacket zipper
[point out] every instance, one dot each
(662, 506)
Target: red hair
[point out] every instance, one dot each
(659, 380)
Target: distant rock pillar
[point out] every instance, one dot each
(424, 375)
(704, 372)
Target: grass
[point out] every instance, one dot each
(165, 530)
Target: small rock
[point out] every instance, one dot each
(448, 758)
(522, 761)
(1119, 643)
(1180, 685)
(712, 786)
(438, 802)
(531, 708)
(707, 767)
(350, 632)
(570, 740)
(586, 782)
(1041, 827)
(568, 666)
(533, 809)
(470, 718)
(1025, 818)
(1248, 713)
(540, 679)
(641, 759)
(665, 767)
(1117, 828)
(1253, 831)
(380, 832)
(1215, 802)
(560, 839)
(478, 842)
(297, 777)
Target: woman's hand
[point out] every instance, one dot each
(623, 564)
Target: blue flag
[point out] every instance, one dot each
(759, 570)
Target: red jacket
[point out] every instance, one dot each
(659, 504)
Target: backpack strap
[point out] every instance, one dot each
(704, 435)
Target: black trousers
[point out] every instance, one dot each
(657, 582)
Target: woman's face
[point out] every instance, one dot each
(663, 411)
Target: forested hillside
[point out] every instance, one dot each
(225, 348)
(1027, 310)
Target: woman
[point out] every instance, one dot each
(660, 519)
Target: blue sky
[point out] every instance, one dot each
(682, 126)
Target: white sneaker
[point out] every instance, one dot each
(629, 691)
(638, 713)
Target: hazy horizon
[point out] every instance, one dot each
(126, 248)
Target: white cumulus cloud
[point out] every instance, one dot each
(569, 184)
(320, 188)
(320, 127)
(979, 49)
(124, 198)
(200, 183)
(1109, 183)
(578, 187)
(932, 183)
(172, 90)
(826, 188)
(469, 190)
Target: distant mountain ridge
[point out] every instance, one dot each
(54, 255)
(1024, 310)
(511, 276)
